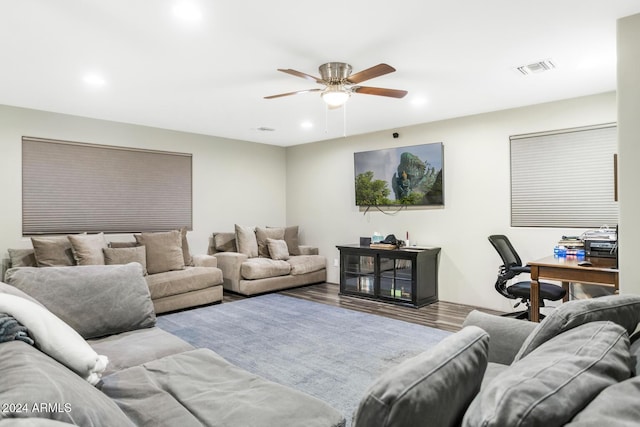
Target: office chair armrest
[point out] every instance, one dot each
(506, 334)
(521, 269)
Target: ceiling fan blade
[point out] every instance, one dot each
(292, 93)
(393, 93)
(370, 73)
(301, 74)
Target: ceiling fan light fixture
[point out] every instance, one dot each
(335, 96)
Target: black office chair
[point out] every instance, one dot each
(511, 267)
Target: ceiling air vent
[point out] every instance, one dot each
(536, 67)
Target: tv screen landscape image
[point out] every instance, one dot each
(410, 176)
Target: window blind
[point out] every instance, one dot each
(70, 187)
(564, 178)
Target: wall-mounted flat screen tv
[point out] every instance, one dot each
(411, 176)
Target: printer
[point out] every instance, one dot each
(602, 243)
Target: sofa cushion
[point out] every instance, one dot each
(617, 405)
(261, 268)
(431, 389)
(621, 309)
(225, 242)
(182, 281)
(278, 249)
(52, 251)
(262, 234)
(186, 252)
(199, 387)
(164, 251)
(87, 248)
(134, 348)
(30, 379)
(22, 258)
(302, 264)
(119, 256)
(95, 300)
(246, 240)
(556, 380)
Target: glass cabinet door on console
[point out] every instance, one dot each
(402, 276)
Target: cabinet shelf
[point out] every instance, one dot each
(407, 277)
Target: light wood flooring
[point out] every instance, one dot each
(441, 315)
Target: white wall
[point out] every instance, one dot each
(320, 193)
(629, 151)
(233, 181)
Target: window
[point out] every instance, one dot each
(70, 187)
(564, 178)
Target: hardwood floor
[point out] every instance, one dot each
(441, 315)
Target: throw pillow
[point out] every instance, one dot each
(278, 249)
(12, 290)
(164, 251)
(39, 387)
(431, 389)
(246, 240)
(87, 248)
(22, 258)
(123, 244)
(556, 380)
(262, 234)
(95, 300)
(186, 252)
(119, 256)
(225, 242)
(291, 237)
(617, 405)
(621, 309)
(55, 338)
(53, 251)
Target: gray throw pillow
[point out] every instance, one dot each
(621, 309)
(22, 258)
(12, 290)
(262, 234)
(38, 386)
(95, 300)
(431, 389)
(53, 251)
(119, 256)
(556, 380)
(87, 248)
(246, 240)
(164, 251)
(617, 405)
(278, 249)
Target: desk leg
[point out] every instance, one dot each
(534, 296)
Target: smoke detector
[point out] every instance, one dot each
(536, 67)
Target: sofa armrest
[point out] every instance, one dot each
(204, 261)
(308, 250)
(506, 334)
(230, 263)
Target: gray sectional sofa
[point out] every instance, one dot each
(578, 367)
(176, 279)
(81, 316)
(255, 260)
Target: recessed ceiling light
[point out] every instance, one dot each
(94, 79)
(418, 101)
(306, 124)
(187, 11)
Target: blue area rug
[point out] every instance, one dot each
(329, 352)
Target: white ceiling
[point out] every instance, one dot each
(209, 76)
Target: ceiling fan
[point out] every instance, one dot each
(340, 83)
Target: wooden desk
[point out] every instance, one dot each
(567, 270)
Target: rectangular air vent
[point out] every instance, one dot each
(536, 67)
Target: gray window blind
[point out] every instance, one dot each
(564, 178)
(70, 187)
